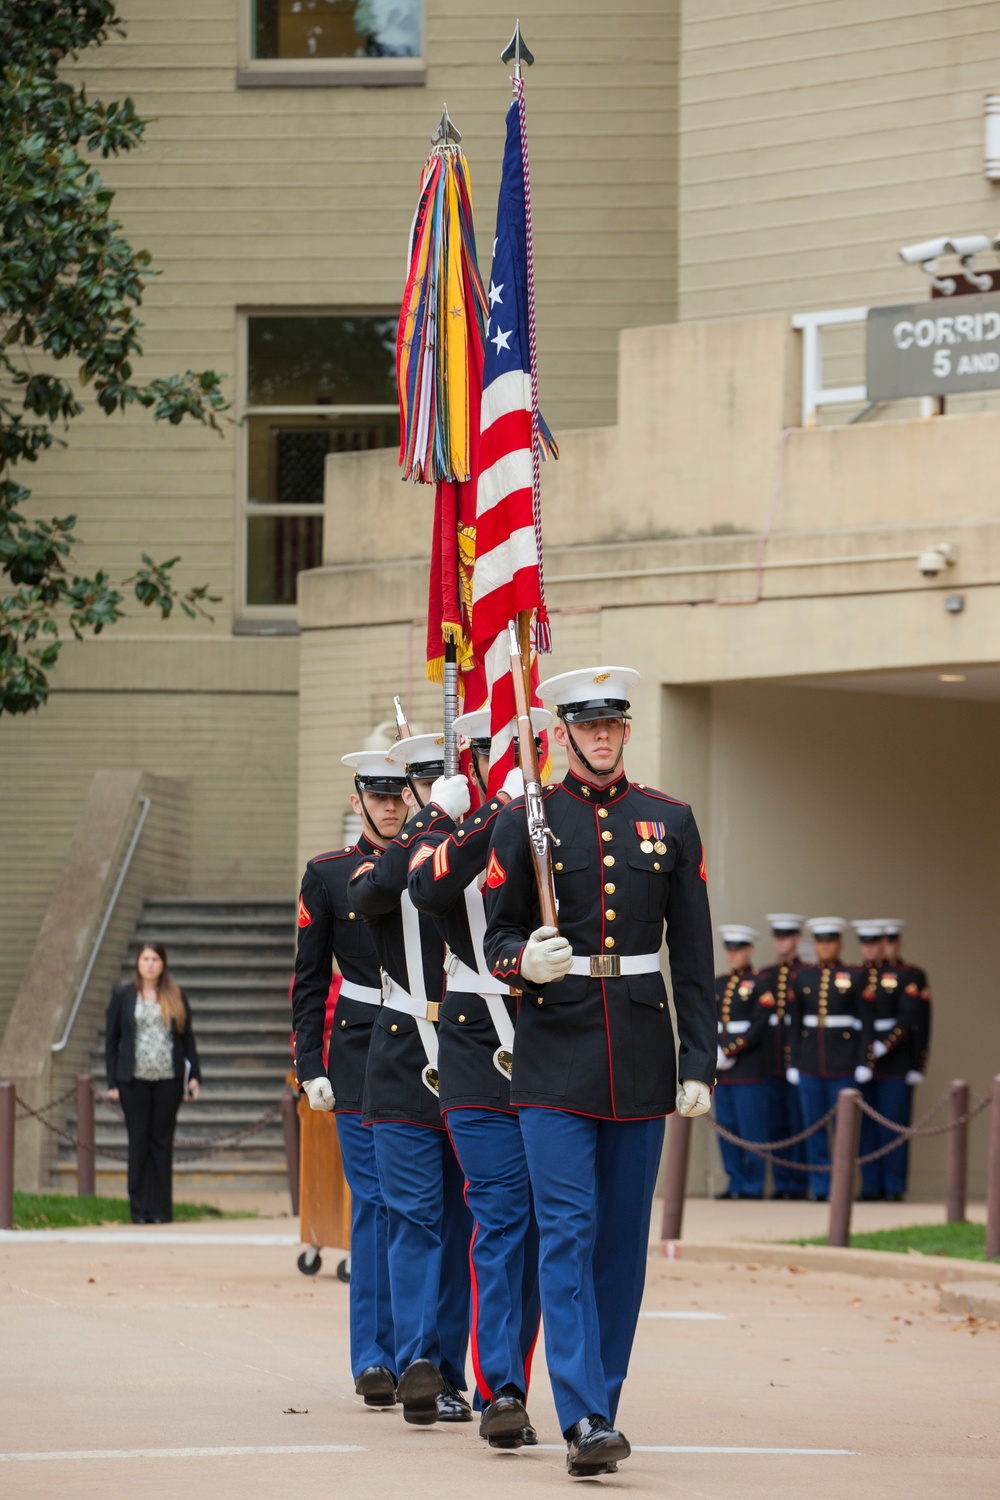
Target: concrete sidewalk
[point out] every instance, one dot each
(217, 1370)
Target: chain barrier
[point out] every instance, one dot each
(902, 1132)
(203, 1149)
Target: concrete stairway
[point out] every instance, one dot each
(233, 960)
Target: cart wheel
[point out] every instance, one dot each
(344, 1269)
(310, 1261)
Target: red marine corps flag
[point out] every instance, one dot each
(508, 580)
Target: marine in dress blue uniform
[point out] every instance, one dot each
(742, 1063)
(329, 928)
(895, 992)
(429, 1224)
(785, 1118)
(831, 1039)
(595, 1070)
(476, 1036)
(921, 1039)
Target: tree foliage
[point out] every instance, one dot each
(70, 287)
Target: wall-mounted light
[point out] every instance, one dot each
(951, 677)
(991, 137)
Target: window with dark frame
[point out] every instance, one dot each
(316, 384)
(327, 29)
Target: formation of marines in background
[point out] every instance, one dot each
(500, 1086)
(794, 1034)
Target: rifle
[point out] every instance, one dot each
(402, 727)
(540, 835)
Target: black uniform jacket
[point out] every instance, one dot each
(605, 1047)
(920, 1041)
(447, 887)
(119, 1039)
(772, 983)
(394, 1085)
(744, 1014)
(820, 993)
(897, 1012)
(331, 928)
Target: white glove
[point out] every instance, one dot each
(879, 1049)
(792, 1076)
(513, 783)
(547, 956)
(913, 1077)
(722, 1062)
(693, 1098)
(862, 1074)
(451, 793)
(319, 1093)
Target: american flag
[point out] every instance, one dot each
(508, 572)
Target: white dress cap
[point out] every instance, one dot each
(418, 750)
(589, 685)
(785, 921)
(892, 926)
(869, 930)
(476, 726)
(827, 926)
(372, 763)
(734, 932)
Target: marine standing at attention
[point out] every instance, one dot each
(595, 1070)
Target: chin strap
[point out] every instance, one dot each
(478, 775)
(585, 762)
(366, 817)
(412, 785)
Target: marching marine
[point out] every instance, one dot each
(476, 1037)
(429, 1223)
(742, 1062)
(830, 1039)
(329, 928)
(595, 1070)
(784, 1116)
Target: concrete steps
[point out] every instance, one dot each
(234, 961)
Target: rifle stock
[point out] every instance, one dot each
(402, 727)
(539, 835)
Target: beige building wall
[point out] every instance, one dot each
(816, 139)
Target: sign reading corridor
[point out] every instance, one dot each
(935, 348)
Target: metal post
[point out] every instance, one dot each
(86, 1184)
(675, 1180)
(993, 1178)
(845, 1151)
(7, 1101)
(290, 1128)
(958, 1154)
(450, 708)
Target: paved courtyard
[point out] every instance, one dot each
(198, 1361)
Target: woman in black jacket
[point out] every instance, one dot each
(151, 1059)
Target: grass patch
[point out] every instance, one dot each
(964, 1241)
(60, 1211)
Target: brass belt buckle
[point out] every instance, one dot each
(605, 966)
(433, 1009)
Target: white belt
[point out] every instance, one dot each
(461, 977)
(736, 1027)
(366, 993)
(886, 1023)
(425, 1013)
(611, 965)
(835, 1021)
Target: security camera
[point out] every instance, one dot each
(934, 560)
(965, 246)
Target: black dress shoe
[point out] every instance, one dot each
(727, 1194)
(529, 1437)
(377, 1385)
(504, 1420)
(418, 1389)
(452, 1405)
(893, 1197)
(870, 1198)
(788, 1197)
(821, 1197)
(595, 1447)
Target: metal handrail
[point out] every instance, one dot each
(144, 805)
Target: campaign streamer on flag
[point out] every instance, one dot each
(508, 576)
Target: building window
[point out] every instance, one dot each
(318, 42)
(315, 384)
(336, 28)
